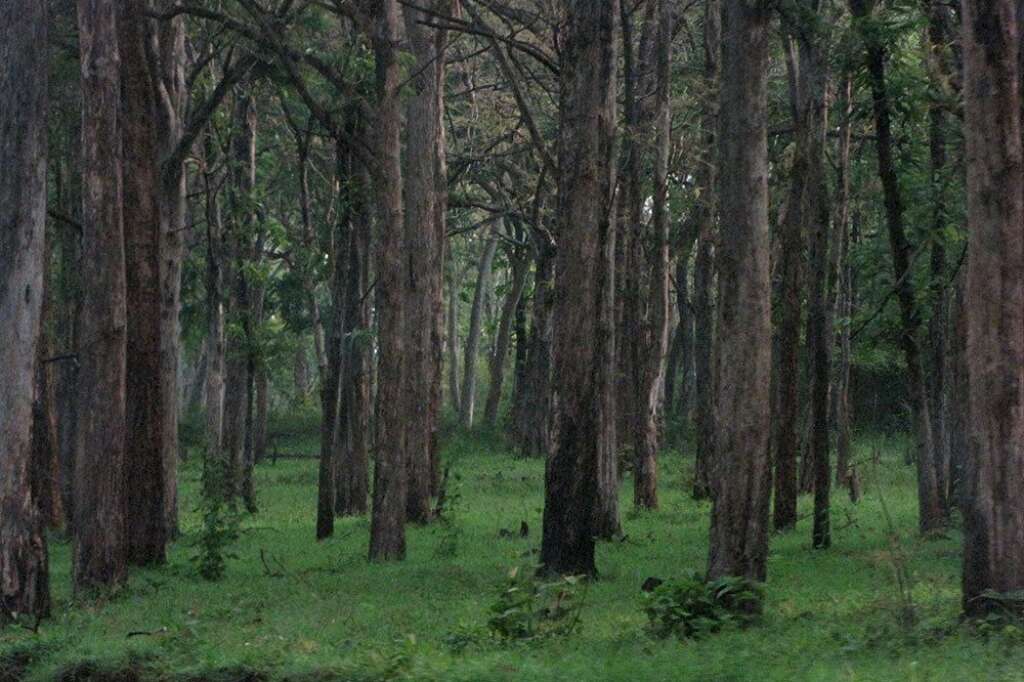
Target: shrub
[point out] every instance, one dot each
(220, 520)
(690, 608)
(528, 609)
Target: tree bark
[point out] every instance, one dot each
(503, 339)
(387, 528)
(99, 551)
(533, 424)
(994, 506)
(740, 477)
(144, 486)
(24, 573)
(583, 309)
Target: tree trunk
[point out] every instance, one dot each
(425, 236)
(24, 573)
(994, 510)
(533, 424)
(704, 266)
(583, 309)
(45, 465)
(99, 552)
(844, 294)
(476, 323)
(741, 473)
(496, 364)
(215, 337)
(144, 486)
(387, 528)
(452, 341)
(930, 515)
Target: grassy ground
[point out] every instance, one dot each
(321, 611)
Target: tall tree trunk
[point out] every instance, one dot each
(215, 337)
(930, 515)
(476, 325)
(704, 265)
(144, 486)
(741, 473)
(994, 510)
(583, 309)
(452, 341)
(45, 464)
(24, 573)
(99, 552)
(387, 528)
(425, 236)
(844, 294)
(533, 425)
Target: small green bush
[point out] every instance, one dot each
(528, 609)
(690, 608)
(220, 520)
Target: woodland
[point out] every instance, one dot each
(511, 340)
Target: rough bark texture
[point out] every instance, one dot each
(740, 478)
(144, 485)
(586, 151)
(994, 505)
(425, 208)
(387, 528)
(24, 577)
(99, 552)
(930, 515)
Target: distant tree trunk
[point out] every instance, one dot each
(144, 486)
(959, 397)
(452, 341)
(583, 309)
(786, 403)
(387, 528)
(533, 424)
(994, 510)
(741, 473)
(24, 573)
(929, 507)
(99, 552)
(45, 465)
(503, 339)
(476, 324)
(685, 337)
(519, 358)
(844, 293)
(425, 209)
(704, 265)
(215, 337)
(937, 389)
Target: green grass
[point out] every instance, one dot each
(322, 611)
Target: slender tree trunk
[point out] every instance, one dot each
(520, 270)
(387, 529)
(929, 507)
(45, 464)
(452, 341)
(704, 263)
(215, 337)
(144, 486)
(476, 324)
(99, 552)
(24, 573)
(533, 426)
(844, 295)
(741, 473)
(994, 510)
(583, 309)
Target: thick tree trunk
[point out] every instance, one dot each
(387, 528)
(930, 515)
(24, 574)
(994, 506)
(145, 513)
(741, 472)
(425, 236)
(583, 331)
(99, 553)
(704, 265)
(476, 325)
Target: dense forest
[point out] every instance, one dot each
(511, 339)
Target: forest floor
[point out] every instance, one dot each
(290, 608)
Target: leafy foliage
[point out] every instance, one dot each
(529, 609)
(691, 608)
(220, 520)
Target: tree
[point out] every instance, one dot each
(582, 309)
(994, 505)
(99, 553)
(387, 528)
(740, 474)
(24, 573)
